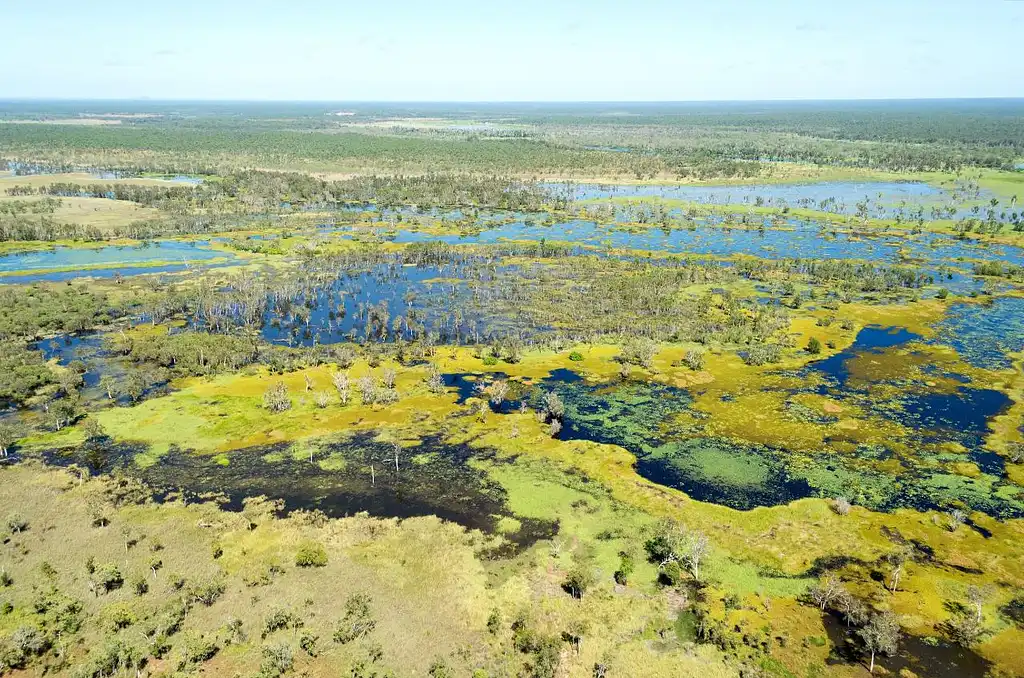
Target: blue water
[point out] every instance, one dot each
(871, 339)
(961, 415)
(110, 257)
(846, 192)
(355, 306)
(884, 199)
(804, 241)
(16, 169)
(984, 333)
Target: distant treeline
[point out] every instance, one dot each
(700, 145)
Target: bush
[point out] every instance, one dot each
(307, 641)
(694, 360)
(841, 505)
(626, 567)
(578, 580)
(439, 668)
(761, 354)
(576, 356)
(278, 659)
(196, 650)
(117, 616)
(140, 586)
(813, 346)
(16, 523)
(639, 351)
(206, 592)
(108, 577)
(279, 619)
(358, 619)
(276, 398)
(311, 554)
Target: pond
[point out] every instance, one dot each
(914, 655)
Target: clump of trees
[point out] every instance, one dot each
(677, 551)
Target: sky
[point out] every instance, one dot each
(521, 50)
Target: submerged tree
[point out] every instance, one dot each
(881, 635)
(9, 435)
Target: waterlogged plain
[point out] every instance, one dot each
(879, 200)
(653, 419)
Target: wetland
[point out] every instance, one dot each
(567, 412)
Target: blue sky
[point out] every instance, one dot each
(547, 50)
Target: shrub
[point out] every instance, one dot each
(639, 351)
(279, 619)
(841, 505)
(578, 580)
(439, 668)
(307, 641)
(576, 356)
(17, 523)
(494, 621)
(206, 592)
(117, 616)
(813, 346)
(626, 567)
(140, 586)
(108, 577)
(358, 619)
(278, 659)
(196, 650)
(694, 360)
(553, 406)
(761, 354)
(276, 398)
(311, 554)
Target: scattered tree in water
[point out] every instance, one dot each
(881, 635)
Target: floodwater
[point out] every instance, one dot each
(984, 333)
(105, 261)
(874, 199)
(640, 416)
(446, 301)
(843, 192)
(345, 476)
(923, 657)
(803, 240)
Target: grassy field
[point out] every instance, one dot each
(100, 213)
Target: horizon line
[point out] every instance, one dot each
(17, 99)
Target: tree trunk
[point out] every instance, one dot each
(871, 669)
